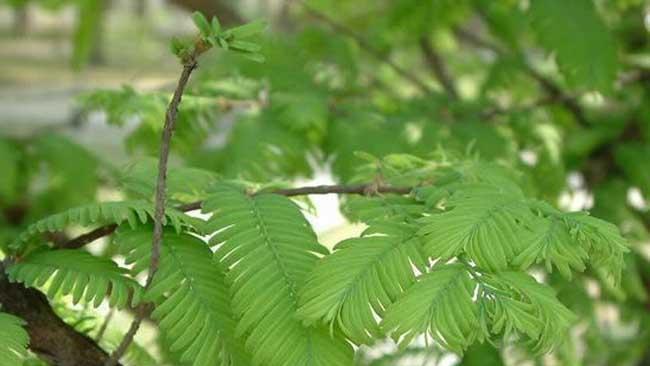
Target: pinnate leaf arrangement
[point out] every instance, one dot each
(454, 251)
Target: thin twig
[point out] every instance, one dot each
(541, 102)
(438, 67)
(476, 40)
(88, 237)
(366, 46)
(102, 329)
(159, 211)
(554, 93)
(362, 189)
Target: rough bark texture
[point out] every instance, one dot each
(50, 337)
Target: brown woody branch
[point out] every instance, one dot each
(189, 65)
(494, 111)
(438, 67)
(554, 94)
(361, 189)
(88, 237)
(366, 46)
(49, 337)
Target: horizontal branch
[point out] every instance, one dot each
(363, 189)
(368, 189)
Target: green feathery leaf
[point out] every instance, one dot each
(441, 305)
(382, 208)
(570, 241)
(517, 304)
(133, 212)
(184, 184)
(362, 278)
(552, 243)
(269, 248)
(585, 49)
(76, 272)
(202, 24)
(602, 239)
(247, 30)
(13, 340)
(483, 221)
(191, 295)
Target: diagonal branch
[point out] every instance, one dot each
(438, 67)
(493, 111)
(159, 213)
(366, 46)
(49, 336)
(554, 92)
(88, 237)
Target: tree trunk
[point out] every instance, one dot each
(97, 53)
(50, 337)
(21, 20)
(142, 8)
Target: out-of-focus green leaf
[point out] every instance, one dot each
(584, 48)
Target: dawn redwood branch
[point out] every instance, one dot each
(476, 40)
(366, 46)
(50, 337)
(88, 237)
(105, 324)
(438, 67)
(159, 210)
(554, 93)
(494, 111)
(362, 189)
(368, 189)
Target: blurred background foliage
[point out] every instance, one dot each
(556, 90)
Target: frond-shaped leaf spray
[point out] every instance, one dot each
(184, 184)
(483, 221)
(516, 303)
(191, 295)
(382, 208)
(585, 50)
(269, 248)
(13, 340)
(498, 227)
(551, 243)
(602, 239)
(362, 278)
(79, 273)
(441, 305)
(570, 241)
(133, 212)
